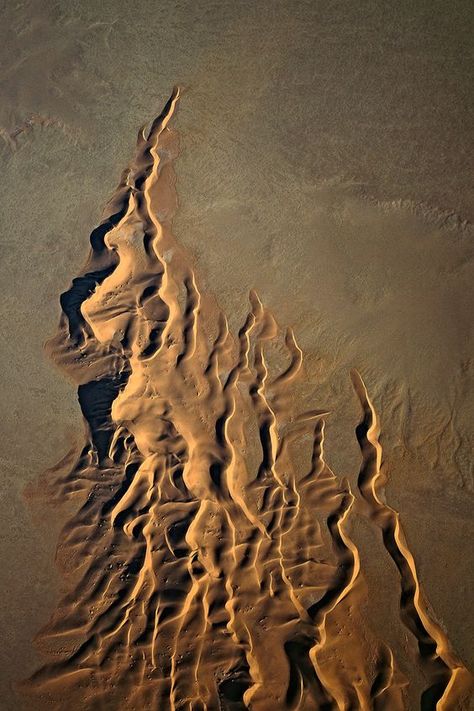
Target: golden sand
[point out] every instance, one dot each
(210, 563)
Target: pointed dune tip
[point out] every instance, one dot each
(161, 121)
(255, 302)
(358, 385)
(355, 375)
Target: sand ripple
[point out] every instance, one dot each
(209, 564)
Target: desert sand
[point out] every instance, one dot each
(258, 476)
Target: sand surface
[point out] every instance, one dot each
(323, 163)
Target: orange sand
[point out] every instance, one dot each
(210, 563)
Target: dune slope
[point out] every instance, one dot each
(210, 564)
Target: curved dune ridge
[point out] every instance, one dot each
(209, 563)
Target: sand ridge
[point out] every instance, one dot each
(210, 561)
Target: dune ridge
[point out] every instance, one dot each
(209, 564)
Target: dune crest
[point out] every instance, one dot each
(210, 563)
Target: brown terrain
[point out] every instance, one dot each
(255, 516)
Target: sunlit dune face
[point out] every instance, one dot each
(210, 563)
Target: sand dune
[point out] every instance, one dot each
(210, 564)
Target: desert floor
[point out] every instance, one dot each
(325, 162)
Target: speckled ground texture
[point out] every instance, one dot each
(326, 160)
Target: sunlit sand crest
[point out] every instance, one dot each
(210, 563)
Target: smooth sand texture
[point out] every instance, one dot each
(303, 128)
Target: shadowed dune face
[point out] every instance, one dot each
(209, 564)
